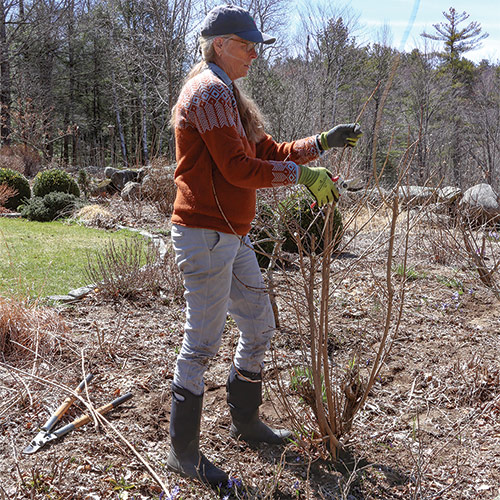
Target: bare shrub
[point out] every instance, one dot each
(21, 158)
(473, 246)
(133, 269)
(11, 162)
(28, 330)
(137, 207)
(333, 385)
(438, 239)
(159, 187)
(472, 382)
(173, 282)
(334, 392)
(124, 269)
(482, 250)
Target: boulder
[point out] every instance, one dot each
(416, 195)
(132, 191)
(449, 195)
(120, 177)
(371, 195)
(103, 188)
(481, 204)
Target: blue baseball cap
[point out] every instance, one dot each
(230, 19)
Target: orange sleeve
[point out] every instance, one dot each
(301, 151)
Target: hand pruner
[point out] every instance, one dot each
(46, 434)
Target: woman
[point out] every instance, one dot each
(223, 157)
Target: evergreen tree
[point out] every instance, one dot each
(457, 41)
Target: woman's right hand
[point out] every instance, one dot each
(319, 182)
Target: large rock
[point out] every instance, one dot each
(103, 188)
(120, 177)
(449, 195)
(416, 195)
(370, 195)
(132, 191)
(481, 204)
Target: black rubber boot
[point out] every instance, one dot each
(185, 457)
(244, 398)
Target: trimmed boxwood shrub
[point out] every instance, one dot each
(16, 181)
(293, 215)
(309, 220)
(265, 227)
(50, 207)
(54, 180)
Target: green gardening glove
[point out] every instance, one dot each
(319, 182)
(340, 136)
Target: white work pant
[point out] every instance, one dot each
(221, 275)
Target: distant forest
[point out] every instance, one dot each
(92, 82)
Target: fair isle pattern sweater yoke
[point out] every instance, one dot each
(218, 168)
(206, 106)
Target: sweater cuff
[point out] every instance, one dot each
(284, 173)
(297, 173)
(320, 146)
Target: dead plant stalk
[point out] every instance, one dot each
(336, 403)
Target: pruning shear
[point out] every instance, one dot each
(343, 186)
(46, 435)
(347, 185)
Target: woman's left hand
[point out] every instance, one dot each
(340, 136)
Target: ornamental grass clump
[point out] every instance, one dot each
(96, 216)
(133, 269)
(28, 330)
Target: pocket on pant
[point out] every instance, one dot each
(211, 238)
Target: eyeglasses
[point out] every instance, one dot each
(248, 45)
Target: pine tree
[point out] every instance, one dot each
(457, 41)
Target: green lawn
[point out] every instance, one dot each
(47, 258)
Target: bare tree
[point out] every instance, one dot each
(5, 83)
(483, 115)
(425, 93)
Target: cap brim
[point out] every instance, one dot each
(256, 36)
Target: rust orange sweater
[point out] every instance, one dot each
(214, 154)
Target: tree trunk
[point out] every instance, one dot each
(145, 153)
(71, 68)
(119, 123)
(5, 79)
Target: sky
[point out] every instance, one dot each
(396, 14)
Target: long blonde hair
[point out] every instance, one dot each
(252, 119)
